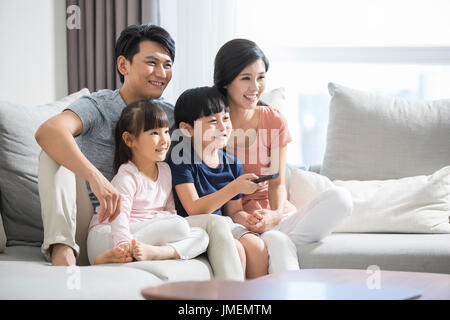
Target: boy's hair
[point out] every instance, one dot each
(139, 116)
(195, 103)
(127, 44)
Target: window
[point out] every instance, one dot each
(399, 48)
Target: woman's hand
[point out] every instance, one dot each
(263, 220)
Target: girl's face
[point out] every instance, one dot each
(246, 89)
(151, 145)
(215, 130)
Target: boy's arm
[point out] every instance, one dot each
(56, 138)
(193, 204)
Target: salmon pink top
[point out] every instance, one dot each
(142, 199)
(272, 133)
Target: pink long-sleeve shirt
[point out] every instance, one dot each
(142, 199)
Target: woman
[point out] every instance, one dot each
(260, 141)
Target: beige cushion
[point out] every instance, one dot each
(19, 152)
(375, 137)
(419, 204)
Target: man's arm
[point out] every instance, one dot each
(56, 138)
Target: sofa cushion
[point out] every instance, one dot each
(419, 204)
(397, 252)
(305, 185)
(19, 166)
(33, 280)
(375, 137)
(197, 269)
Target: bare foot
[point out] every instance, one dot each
(113, 255)
(142, 251)
(62, 255)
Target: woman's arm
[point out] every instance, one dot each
(277, 188)
(236, 212)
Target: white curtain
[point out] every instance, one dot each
(199, 28)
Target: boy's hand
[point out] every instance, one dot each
(245, 185)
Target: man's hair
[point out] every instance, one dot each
(195, 103)
(128, 43)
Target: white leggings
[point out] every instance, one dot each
(165, 229)
(310, 223)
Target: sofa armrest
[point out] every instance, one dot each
(2, 235)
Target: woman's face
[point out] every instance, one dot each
(246, 89)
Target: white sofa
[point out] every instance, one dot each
(24, 274)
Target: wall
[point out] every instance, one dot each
(33, 55)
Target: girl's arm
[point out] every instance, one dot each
(120, 227)
(193, 204)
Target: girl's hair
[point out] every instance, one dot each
(139, 116)
(195, 103)
(232, 58)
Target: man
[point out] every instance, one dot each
(78, 145)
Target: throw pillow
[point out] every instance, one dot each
(274, 98)
(374, 137)
(304, 185)
(19, 152)
(419, 204)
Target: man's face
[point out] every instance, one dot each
(150, 71)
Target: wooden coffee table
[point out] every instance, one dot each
(310, 284)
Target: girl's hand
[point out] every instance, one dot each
(245, 185)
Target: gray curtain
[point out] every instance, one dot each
(90, 48)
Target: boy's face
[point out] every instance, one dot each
(150, 71)
(215, 130)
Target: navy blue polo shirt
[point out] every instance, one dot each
(206, 180)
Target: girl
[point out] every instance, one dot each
(208, 180)
(259, 141)
(147, 227)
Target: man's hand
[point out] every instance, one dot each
(108, 197)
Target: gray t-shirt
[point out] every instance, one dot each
(99, 113)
